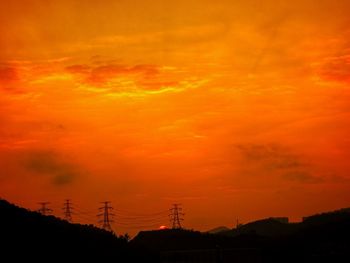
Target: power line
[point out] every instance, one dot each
(176, 216)
(85, 219)
(127, 219)
(141, 227)
(128, 213)
(141, 218)
(106, 216)
(44, 210)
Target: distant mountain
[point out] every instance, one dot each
(269, 227)
(218, 230)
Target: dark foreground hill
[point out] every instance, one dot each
(271, 227)
(28, 236)
(319, 238)
(31, 237)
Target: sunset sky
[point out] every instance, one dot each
(235, 109)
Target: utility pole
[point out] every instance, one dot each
(44, 210)
(106, 216)
(238, 224)
(68, 211)
(176, 216)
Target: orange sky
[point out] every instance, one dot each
(236, 109)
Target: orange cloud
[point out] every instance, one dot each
(100, 75)
(9, 78)
(337, 69)
(124, 78)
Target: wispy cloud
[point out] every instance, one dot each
(273, 156)
(336, 68)
(9, 77)
(50, 164)
(277, 159)
(105, 77)
(131, 80)
(100, 75)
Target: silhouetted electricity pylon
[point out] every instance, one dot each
(106, 216)
(44, 210)
(176, 216)
(68, 211)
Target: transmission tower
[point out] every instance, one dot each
(44, 210)
(68, 211)
(106, 216)
(176, 216)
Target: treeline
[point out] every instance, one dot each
(30, 236)
(26, 235)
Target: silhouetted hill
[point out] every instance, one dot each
(320, 238)
(182, 239)
(171, 239)
(218, 230)
(266, 227)
(271, 227)
(327, 217)
(32, 236)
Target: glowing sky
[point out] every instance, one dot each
(236, 109)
